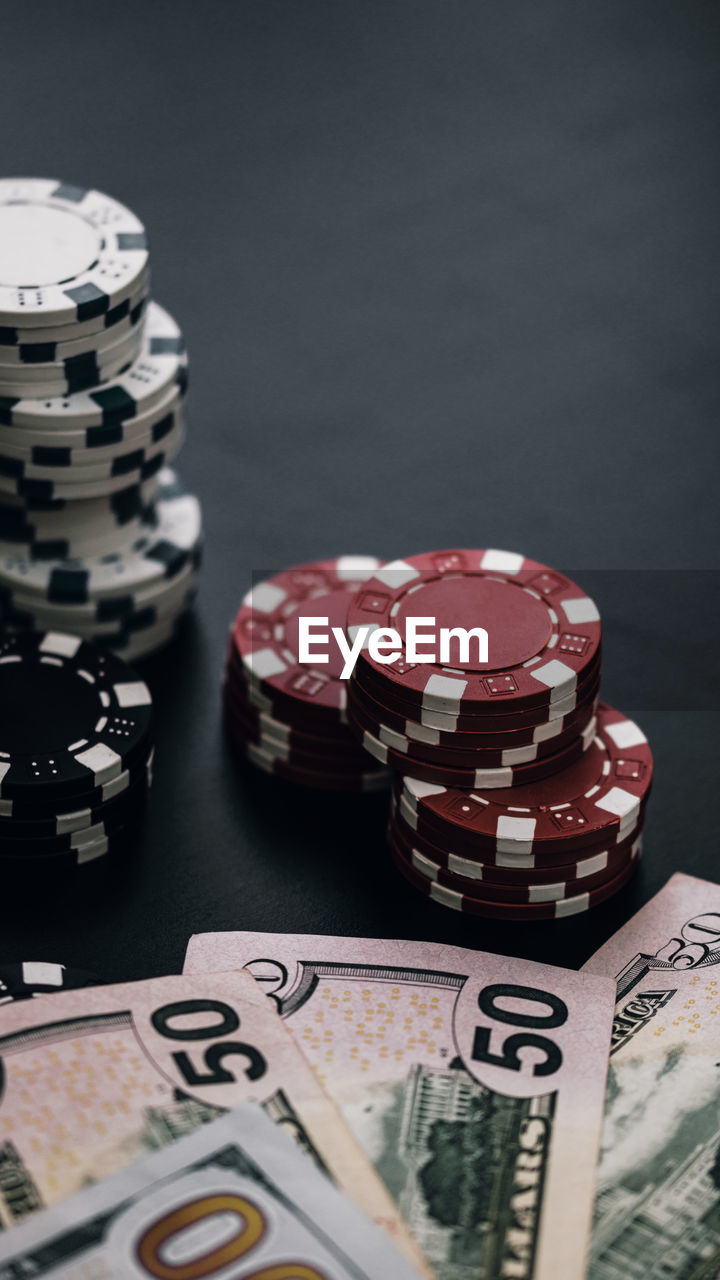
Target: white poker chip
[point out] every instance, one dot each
(174, 541)
(98, 539)
(96, 327)
(32, 356)
(66, 254)
(105, 613)
(56, 458)
(115, 346)
(22, 521)
(81, 378)
(113, 435)
(133, 393)
(77, 374)
(67, 489)
(90, 470)
(143, 624)
(79, 545)
(139, 642)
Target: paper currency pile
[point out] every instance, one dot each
(249, 1118)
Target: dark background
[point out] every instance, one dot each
(447, 274)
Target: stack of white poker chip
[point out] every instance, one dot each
(97, 536)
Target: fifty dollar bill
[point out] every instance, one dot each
(657, 1211)
(474, 1082)
(91, 1080)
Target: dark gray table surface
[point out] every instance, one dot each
(448, 276)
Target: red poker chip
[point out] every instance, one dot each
(472, 878)
(338, 738)
(322, 760)
(313, 762)
(473, 905)
(265, 631)
(483, 778)
(455, 757)
(469, 740)
(543, 630)
(504, 868)
(266, 760)
(348, 751)
(453, 719)
(596, 800)
(308, 717)
(540, 858)
(313, 721)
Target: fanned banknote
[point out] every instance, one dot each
(474, 1082)
(657, 1212)
(233, 1199)
(91, 1080)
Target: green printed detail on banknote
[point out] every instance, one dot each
(234, 1198)
(92, 1080)
(474, 1082)
(657, 1212)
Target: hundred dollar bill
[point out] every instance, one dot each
(91, 1080)
(232, 1199)
(657, 1212)
(474, 1082)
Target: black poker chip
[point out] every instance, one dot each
(24, 979)
(74, 717)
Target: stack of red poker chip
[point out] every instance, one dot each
(518, 795)
(289, 718)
